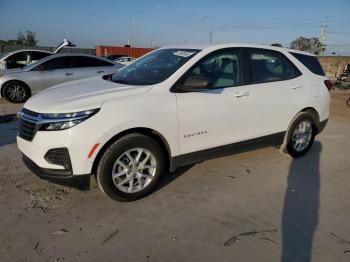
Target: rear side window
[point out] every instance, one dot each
(311, 62)
(270, 66)
(84, 61)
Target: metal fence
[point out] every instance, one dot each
(9, 48)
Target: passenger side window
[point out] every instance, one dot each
(84, 61)
(55, 63)
(222, 69)
(17, 60)
(269, 66)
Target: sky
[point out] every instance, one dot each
(158, 22)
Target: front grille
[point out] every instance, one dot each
(28, 124)
(58, 156)
(27, 130)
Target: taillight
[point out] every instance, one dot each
(328, 84)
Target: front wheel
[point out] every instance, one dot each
(130, 168)
(301, 135)
(16, 92)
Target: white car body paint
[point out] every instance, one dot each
(219, 117)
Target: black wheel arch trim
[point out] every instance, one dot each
(142, 130)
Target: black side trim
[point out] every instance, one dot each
(248, 145)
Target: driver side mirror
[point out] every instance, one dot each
(195, 84)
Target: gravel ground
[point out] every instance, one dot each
(255, 206)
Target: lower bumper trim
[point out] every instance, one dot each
(46, 172)
(59, 176)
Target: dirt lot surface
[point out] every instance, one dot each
(255, 206)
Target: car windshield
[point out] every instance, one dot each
(155, 67)
(2, 55)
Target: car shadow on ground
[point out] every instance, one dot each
(8, 129)
(301, 206)
(171, 176)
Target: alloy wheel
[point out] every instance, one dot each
(302, 135)
(134, 170)
(16, 92)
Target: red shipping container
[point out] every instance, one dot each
(118, 50)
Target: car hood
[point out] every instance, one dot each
(80, 95)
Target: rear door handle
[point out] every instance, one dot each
(69, 74)
(296, 86)
(240, 94)
(100, 72)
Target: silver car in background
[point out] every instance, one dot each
(23, 57)
(17, 85)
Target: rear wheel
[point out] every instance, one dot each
(16, 92)
(301, 134)
(130, 168)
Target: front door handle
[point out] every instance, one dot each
(69, 74)
(100, 72)
(296, 86)
(240, 94)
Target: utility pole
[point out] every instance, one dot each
(323, 32)
(210, 36)
(133, 25)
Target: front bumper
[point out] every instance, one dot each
(63, 177)
(77, 140)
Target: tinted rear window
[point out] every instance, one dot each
(84, 61)
(311, 62)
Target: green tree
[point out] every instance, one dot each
(311, 45)
(27, 39)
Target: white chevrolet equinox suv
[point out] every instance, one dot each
(172, 107)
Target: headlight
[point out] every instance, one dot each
(62, 121)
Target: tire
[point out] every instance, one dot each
(16, 92)
(116, 160)
(299, 144)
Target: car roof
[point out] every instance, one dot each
(7, 54)
(73, 54)
(26, 50)
(67, 55)
(213, 47)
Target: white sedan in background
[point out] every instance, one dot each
(125, 60)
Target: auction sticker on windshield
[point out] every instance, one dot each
(183, 53)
